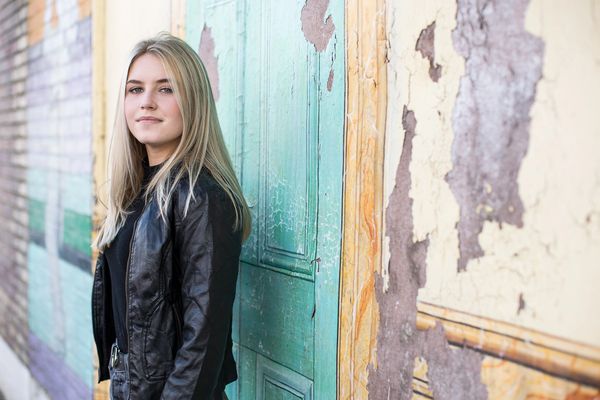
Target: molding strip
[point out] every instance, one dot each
(549, 354)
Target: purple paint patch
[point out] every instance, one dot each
(330, 80)
(453, 373)
(425, 45)
(207, 55)
(315, 30)
(491, 115)
(398, 340)
(50, 370)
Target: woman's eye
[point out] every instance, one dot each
(167, 90)
(134, 89)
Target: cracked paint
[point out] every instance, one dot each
(503, 63)
(207, 55)
(454, 373)
(397, 339)
(425, 45)
(315, 30)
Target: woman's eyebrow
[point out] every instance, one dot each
(163, 80)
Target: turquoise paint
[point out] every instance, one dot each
(75, 287)
(329, 226)
(76, 231)
(37, 215)
(76, 192)
(285, 132)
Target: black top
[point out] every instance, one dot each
(117, 255)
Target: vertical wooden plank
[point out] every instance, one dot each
(332, 89)
(362, 240)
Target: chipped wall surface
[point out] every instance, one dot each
(501, 181)
(540, 272)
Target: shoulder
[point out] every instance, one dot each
(207, 196)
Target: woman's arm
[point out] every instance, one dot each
(209, 253)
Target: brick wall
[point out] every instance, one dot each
(13, 204)
(46, 192)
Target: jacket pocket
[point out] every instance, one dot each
(160, 337)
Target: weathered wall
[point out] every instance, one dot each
(47, 127)
(492, 201)
(127, 23)
(58, 91)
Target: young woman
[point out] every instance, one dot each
(169, 246)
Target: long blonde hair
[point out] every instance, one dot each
(201, 142)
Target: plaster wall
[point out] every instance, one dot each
(541, 273)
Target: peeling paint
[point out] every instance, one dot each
(425, 45)
(315, 30)
(521, 303)
(397, 339)
(503, 63)
(453, 373)
(207, 55)
(330, 80)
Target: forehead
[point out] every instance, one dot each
(147, 67)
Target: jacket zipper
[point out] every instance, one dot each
(127, 273)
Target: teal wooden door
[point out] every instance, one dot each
(281, 107)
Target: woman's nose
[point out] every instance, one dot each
(147, 101)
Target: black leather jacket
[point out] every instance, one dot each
(180, 286)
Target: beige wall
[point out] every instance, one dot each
(127, 22)
(552, 261)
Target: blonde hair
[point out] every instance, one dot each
(201, 142)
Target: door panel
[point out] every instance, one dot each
(283, 126)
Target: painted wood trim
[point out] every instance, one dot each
(552, 355)
(98, 148)
(366, 104)
(178, 12)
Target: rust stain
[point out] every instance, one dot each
(315, 30)
(425, 45)
(207, 55)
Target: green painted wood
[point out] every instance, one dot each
(247, 373)
(284, 130)
(275, 382)
(232, 389)
(276, 317)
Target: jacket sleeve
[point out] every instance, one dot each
(208, 253)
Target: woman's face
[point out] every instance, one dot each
(151, 110)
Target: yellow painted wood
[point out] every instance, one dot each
(361, 247)
(549, 354)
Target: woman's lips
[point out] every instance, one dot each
(149, 120)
